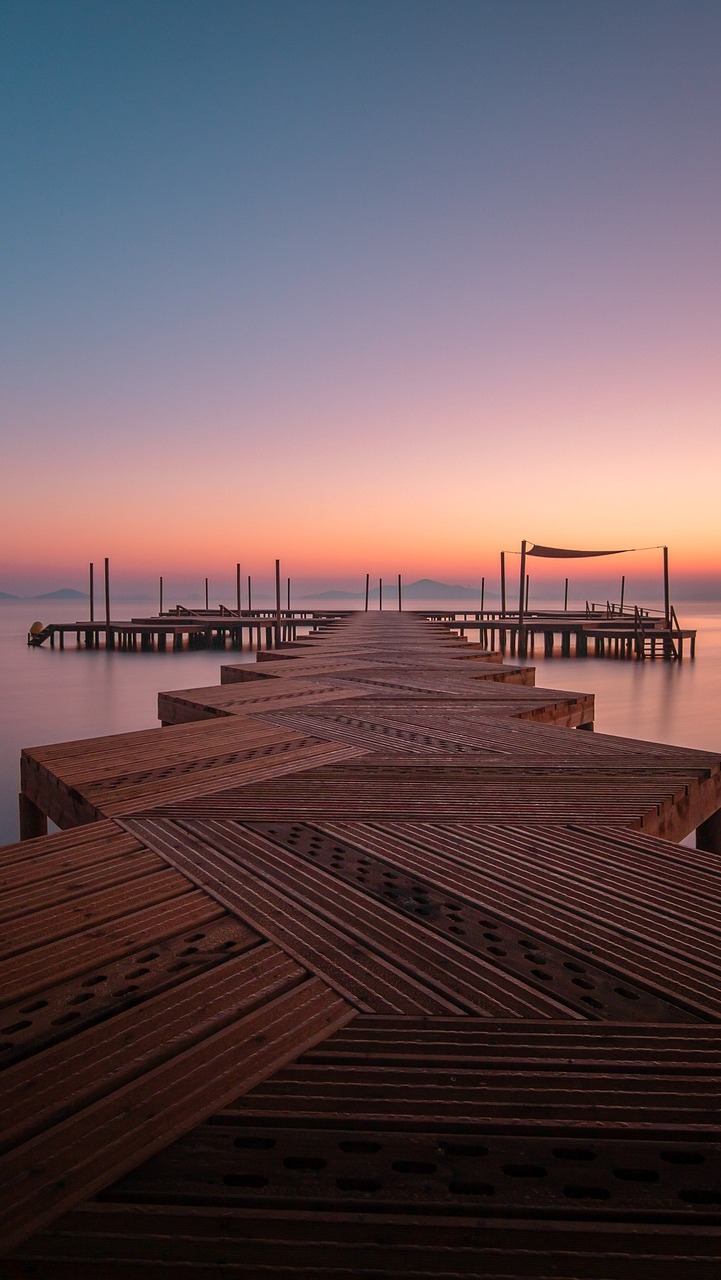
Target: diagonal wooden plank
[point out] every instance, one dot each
(53, 1171)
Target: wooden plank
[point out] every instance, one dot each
(48, 1173)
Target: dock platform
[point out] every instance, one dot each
(378, 964)
(184, 629)
(599, 633)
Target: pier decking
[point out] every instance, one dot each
(369, 963)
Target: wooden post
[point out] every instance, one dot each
(666, 592)
(33, 822)
(623, 591)
(250, 598)
(503, 584)
(107, 592)
(277, 604)
(400, 605)
(380, 594)
(368, 583)
(206, 594)
(289, 595)
(521, 587)
(528, 586)
(483, 591)
(160, 594)
(565, 598)
(91, 593)
(237, 587)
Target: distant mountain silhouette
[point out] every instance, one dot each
(6, 595)
(334, 595)
(427, 588)
(423, 589)
(65, 593)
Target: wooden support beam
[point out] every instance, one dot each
(33, 822)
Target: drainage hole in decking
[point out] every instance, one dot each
(541, 973)
(94, 981)
(251, 1143)
(358, 1184)
(706, 1196)
(627, 995)
(524, 1170)
(573, 1153)
(636, 1175)
(413, 1166)
(137, 973)
(683, 1157)
(33, 1008)
(150, 955)
(472, 1149)
(82, 997)
(304, 1162)
(593, 1004)
(66, 1017)
(359, 1146)
(15, 1027)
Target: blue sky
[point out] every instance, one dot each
(420, 278)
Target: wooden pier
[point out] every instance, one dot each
(368, 963)
(186, 629)
(599, 633)
(596, 631)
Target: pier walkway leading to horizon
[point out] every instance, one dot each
(368, 963)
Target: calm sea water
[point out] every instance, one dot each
(51, 696)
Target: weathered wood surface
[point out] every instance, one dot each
(372, 967)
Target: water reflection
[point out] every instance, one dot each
(53, 696)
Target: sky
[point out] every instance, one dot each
(367, 285)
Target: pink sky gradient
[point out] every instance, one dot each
(366, 287)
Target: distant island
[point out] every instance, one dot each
(65, 593)
(423, 589)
